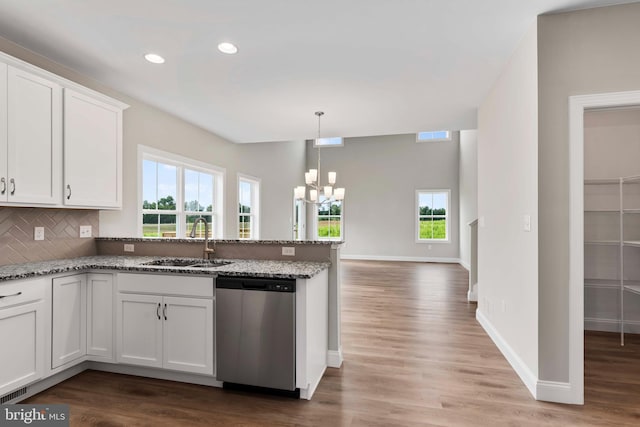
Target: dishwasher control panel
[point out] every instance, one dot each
(256, 284)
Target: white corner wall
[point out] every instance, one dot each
(507, 191)
(468, 183)
(381, 175)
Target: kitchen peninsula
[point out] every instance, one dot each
(78, 322)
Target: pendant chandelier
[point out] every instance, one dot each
(313, 181)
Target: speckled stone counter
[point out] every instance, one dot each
(234, 241)
(236, 267)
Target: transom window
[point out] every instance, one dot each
(432, 215)
(248, 207)
(336, 141)
(329, 223)
(433, 136)
(175, 191)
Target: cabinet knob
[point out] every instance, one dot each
(4, 186)
(69, 189)
(13, 186)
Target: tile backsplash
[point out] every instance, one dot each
(61, 234)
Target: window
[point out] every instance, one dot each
(329, 225)
(248, 207)
(433, 136)
(432, 214)
(175, 191)
(328, 142)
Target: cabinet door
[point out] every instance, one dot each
(100, 295)
(4, 179)
(188, 334)
(34, 151)
(139, 326)
(69, 313)
(22, 334)
(92, 152)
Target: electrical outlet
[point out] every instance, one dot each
(288, 251)
(85, 231)
(128, 247)
(38, 233)
(526, 222)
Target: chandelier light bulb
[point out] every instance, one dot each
(332, 177)
(313, 195)
(339, 193)
(328, 191)
(313, 173)
(307, 178)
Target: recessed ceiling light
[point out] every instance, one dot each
(155, 58)
(226, 47)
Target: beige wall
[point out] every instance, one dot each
(583, 52)
(279, 165)
(381, 175)
(507, 190)
(468, 180)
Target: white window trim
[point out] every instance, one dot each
(421, 141)
(146, 152)
(328, 239)
(256, 202)
(302, 233)
(417, 216)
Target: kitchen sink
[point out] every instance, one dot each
(190, 263)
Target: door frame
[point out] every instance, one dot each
(577, 106)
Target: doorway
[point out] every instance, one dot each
(578, 105)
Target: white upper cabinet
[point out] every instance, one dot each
(54, 151)
(92, 152)
(32, 134)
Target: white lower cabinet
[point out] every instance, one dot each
(171, 328)
(24, 323)
(69, 325)
(100, 339)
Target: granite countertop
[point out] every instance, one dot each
(236, 267)
(200, 240)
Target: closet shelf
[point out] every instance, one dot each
(633, 288)
(603, 242)
(632, 243)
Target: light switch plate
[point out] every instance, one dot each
(288, 251)
(526, 222)
(38, 233)
(128, 247)
(85, 231)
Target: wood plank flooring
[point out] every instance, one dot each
(414, 356)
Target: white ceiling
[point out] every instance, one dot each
(374, 66)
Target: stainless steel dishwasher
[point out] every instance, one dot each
(255, 332)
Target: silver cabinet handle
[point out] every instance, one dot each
(13, 186)
(158, 311)
(4, 185)
(12, 295)
(69, 188)
(164, 312)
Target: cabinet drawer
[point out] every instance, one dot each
(22, 291)
(166, 284)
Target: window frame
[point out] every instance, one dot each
(255, 207)
(422, 140)
(316, 216)
(447, 217)
(181, 163)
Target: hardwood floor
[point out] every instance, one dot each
(414, 356)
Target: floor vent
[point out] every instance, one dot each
(14, 395)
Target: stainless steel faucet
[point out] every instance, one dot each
(206, 253)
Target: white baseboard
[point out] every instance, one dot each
(557, 392)
(399, 258)
(334, 358)
(611, 325)
(307, 393)
(529, 379)
(472, 294)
